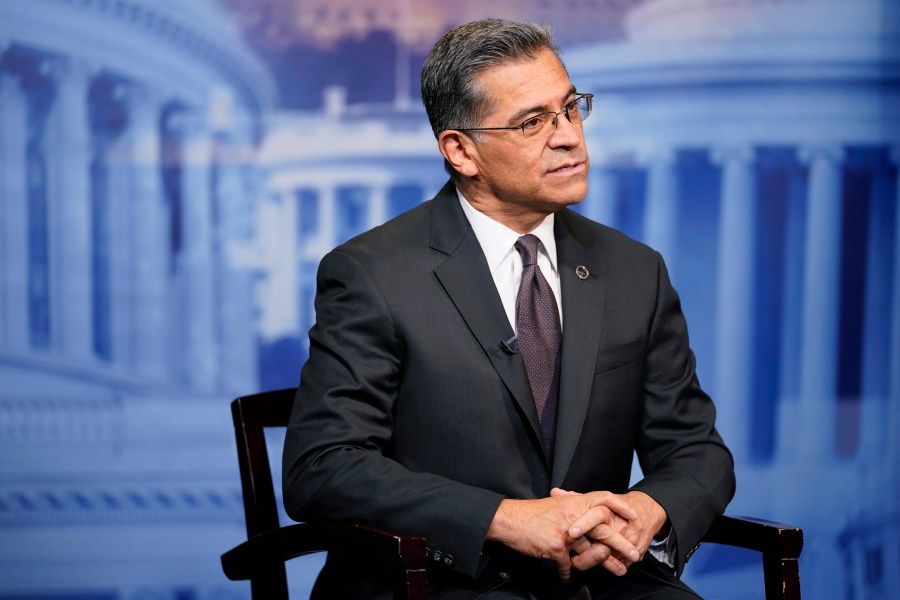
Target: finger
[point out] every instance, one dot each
(599, 554)
(619, 545)
(564, 568)
(594, 517)
(615, 502)
(633, 531)
(580, 545)
(594, 555)
(614, 566)
(622, 527)
(558, 492)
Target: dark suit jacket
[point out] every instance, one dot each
(412, 416)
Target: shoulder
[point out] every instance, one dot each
(610, 243)
(395, 237)
(428, 232)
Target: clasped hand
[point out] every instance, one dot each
(580, 531)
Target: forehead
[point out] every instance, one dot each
(537, 82)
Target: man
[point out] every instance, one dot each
(487, 389)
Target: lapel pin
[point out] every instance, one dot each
(582, 272)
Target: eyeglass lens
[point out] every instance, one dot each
(576, 112)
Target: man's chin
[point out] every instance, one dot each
(571, 194)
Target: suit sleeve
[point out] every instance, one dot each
(687, 468)
(336, 462)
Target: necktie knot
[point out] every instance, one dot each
(527, 245)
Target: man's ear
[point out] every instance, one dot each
(460, 151)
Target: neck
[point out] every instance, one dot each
(519, 218)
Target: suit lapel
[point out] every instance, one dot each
(468, 282)
(583, 308)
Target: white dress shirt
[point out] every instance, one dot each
(498, 244)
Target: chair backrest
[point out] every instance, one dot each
(261, 558)
(251, 415)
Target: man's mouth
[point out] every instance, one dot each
(567, 167)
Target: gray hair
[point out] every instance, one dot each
(452, 96)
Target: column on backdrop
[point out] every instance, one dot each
(69, 210)
(14, 215)
(821, 300)
(661, 207)
(235, 200)
(734, 295)
(195, 259)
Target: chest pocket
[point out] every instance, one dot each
(620, 355)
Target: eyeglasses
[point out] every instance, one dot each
(576, 110)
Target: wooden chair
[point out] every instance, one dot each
(268, 546)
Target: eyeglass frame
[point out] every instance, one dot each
(589, 98)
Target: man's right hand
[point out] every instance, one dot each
(540, 528)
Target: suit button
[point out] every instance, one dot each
(437, 556)
(427, 552)
(449, 560)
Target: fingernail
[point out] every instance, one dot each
(575, 532)
(634, 555)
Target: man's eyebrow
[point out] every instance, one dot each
(521, 114)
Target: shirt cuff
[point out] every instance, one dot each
(664, 550)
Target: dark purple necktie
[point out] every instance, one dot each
(539, 333)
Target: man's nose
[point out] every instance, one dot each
(566, 133)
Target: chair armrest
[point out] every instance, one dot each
(285, 543)
(778, 539)
(779, 544)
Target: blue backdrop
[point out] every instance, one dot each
(171, 172)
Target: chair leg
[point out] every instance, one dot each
(782, 577)
(413, 585)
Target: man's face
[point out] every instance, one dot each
(519, 177)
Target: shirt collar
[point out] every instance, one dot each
(497, 240)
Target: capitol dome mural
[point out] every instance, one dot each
(172, 172)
